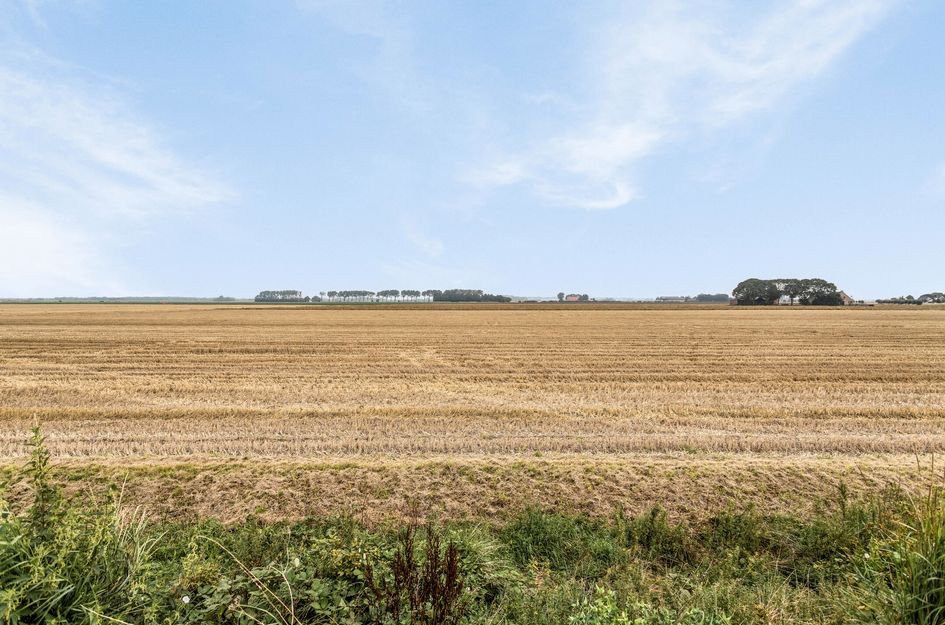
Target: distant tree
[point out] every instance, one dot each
(280, 296)
(561, 296)
(907, 299)
(465, 295)
(712, 297)
(826, 299)
(793, 289)
(753, 291)
(459, 295)
(818, 292)
(807, 291)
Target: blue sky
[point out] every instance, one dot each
(611, 148)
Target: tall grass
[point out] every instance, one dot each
(64, 564)
(904, 575)
(71, 560)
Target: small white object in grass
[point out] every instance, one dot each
(297, 563)
(185, 599)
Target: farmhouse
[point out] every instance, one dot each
(846, 300)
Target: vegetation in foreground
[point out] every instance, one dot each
(876, 560)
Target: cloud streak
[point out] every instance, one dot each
(77, 168)
(666, 72)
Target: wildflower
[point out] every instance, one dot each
(185, 599)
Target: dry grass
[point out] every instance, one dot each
(581, 386)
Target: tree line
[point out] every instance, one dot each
(926, 298)
(387, 295)
(804, 291)
(284, 296)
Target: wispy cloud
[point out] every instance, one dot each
(77, 167)
(76, 142)
(392, 66)
(669, 71)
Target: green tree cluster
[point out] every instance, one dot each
(467, 295)
(712, 297)
(282, 296)
(926, 298)
(805, 291)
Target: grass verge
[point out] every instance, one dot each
(872, 559)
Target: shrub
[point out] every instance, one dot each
(62, 563)
(904, 573)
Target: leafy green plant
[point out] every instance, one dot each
(62, 563)
(904, 573)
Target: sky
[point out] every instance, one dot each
(619, 149)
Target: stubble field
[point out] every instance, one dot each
(473, 410)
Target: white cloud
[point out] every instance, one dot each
(670, 70)
(41, 254)
(78, 168)
(78, 142)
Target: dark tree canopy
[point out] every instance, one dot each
(805, 291)
(449, 295)
(754, 291)
(712, 297)
(926, 298)
(468, 295)
(281, 296)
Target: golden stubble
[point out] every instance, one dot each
(113, 384)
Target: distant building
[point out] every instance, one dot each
(572, 298)
(846, 300)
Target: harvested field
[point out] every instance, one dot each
(319, 399)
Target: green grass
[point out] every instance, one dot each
(879, 559)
